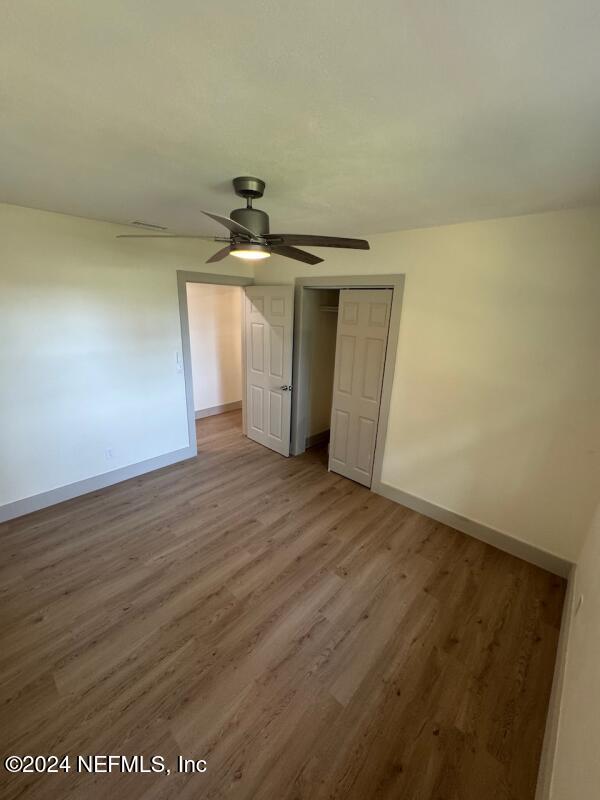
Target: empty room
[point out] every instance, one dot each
(300, 400)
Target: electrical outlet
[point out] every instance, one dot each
(108, 453)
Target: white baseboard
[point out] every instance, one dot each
(213, 410)
(503, 541)
(20, 507)
(545, 772)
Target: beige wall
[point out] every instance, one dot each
(575, 772)
(89, 331)
(495, 401)
(215, 320)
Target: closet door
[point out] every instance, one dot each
(269, 319)
(362, 332)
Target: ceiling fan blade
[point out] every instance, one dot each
(276, 239)
(296, 254)
(219, 255)
(231, 224)
(164, 236)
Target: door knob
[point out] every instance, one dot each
(286, 388)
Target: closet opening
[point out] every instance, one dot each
(345, 339)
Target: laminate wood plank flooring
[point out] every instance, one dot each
(307, 638)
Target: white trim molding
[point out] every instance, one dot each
(38, 501)
(214, 410)
(503, 541)
(545, 772)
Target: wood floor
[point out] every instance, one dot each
(306, 637)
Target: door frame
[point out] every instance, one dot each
(301, 356)
(184, 277)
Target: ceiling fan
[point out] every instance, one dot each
(249, 236)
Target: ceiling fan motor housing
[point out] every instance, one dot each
(253, 218)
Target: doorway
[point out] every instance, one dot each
(320, 321)
(345, 327)
(215, 321)
(213, 347)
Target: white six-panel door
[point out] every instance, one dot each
(362, 330)
(269, 319)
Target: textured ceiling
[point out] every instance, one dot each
(361, 117)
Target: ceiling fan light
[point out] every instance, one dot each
(250, 252)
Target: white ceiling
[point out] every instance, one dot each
(361, 117)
